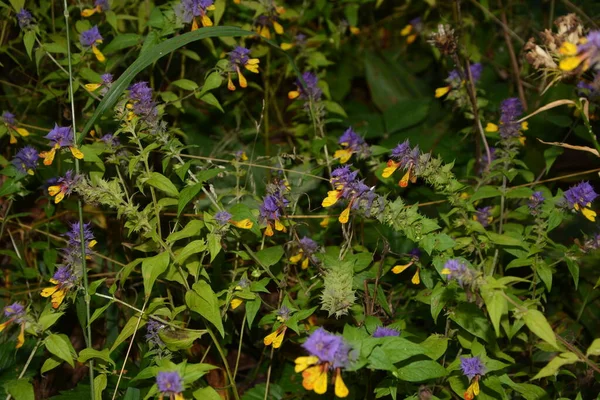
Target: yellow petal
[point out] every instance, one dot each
(13, 139)
(242, 80)
(47, 292)
(341, 390)
(269, 230)
(311, 375)
(344, 155)
(490, 127)
(286, 46)
(568, 49)
(92, 243)
(411, 39)
(252, 68)
(296, 258)
(88, 12)
(344, 216)
(406, 30)
(54, 281)
(99, 56)
(305, 263)
(230, 84)
(279, 338)
(293, 94)
(264, 32)
(179, 396)
(268, 340)
(279, 226)
(304, 362)
(331, 199)
(194, 24)
(92, 86)
(525, 125)
(390, 169)
(59, 197)
(5, 324)
(475, 386)
(21, 337)
(54, 190)
(48, 156)
(589, 214)
(243, 224)
(446, 271)
(401, 268)
(404, 181)
(416, 279)
(58, 297)
(278, 28)
(235, 303)
(76, 153)
(212, 7)
(320, 386)
(570, 63)
(522, 140)
(206, 21)
(442, 91)
(253, 61)
(22, 131)
(354, 30)
(324, 222)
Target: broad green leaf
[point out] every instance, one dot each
(128, 330)
(472, 319)
(185, 84)
(505, 240)
(190, 249)
(193, 372)
(60, 347)
(213, 81)
(20, 389)
(122, 41)
(210, 99)
(187, 194)
(537, 323)
(496, 305)
(179, 339)
(206, 393)
(86, 354)
(203, 300)
(552, 367)
(48, 319)
(192, 228)
(270, 255)
(485, 192)
(435, 346)
(163, 184)
(420, 371)
(214, 245)
(50, 364)
(152, 267)
(594, 349)
(405, 113)
(99, 385)
(29, 41)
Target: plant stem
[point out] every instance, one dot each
(225, 363)
(88, 327)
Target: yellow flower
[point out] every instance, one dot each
(473, 389)
(345, 215)
(303, 363)
(275, 338)
(315, 378)
(341, 390)
(490, 127)
(235, 303)
(331, 199)
(392, 166)
(442, 91)
(416, 279)
(58, 294)
(243, 224)
(99, 56)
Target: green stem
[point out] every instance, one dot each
(4, 220)
(225, 363)
(88, 327)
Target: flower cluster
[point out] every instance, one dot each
(406, 158)
(238, 58)
(580, 198)
(455, 81)
(327, 352)
(535, 201)
(25, 19)
(583, 56)
(414, 258)
(170, 384)
(306, 250)
(111, 140)
(412, 30)
(89, 39)
(271, 210)
(11, 125)
(26, 160)
(483, 215)
(352, 143)
(382, 331)
(60, 137)
(153, 329)
(189, 10)
(16, 314)
(510, 127)
(99, 6)
(472, 368)
(64, 186)
(307, 88)
(68, 275)
(348, 187)
(223, 218)
(458, 271)
(141, 103)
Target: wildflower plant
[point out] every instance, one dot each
(340, 228)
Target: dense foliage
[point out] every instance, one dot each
(268, 199)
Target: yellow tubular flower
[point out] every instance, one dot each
(243, 224)
(442, 91)
(304, 362)
(279, 226)
(235, 303)
(21, 337)
(252, 65)
(76, 153)
(390, 169)
(194, 24)
(92, 86)
(315, 378)
(354, 30)
(275, 338)
(305, 263)
(5, 324)
(88, 12)
(416, 279)
(490, 127)
(295, 259)
(411, 39)
(230, 84)
(404, 181)
(406, 30)
(293, 94)
(13, 139)
(341, 390)
(269, 230)
(344, 155)
(568, 49)
(345, 215)
(22, 131)
(570, 63)
(324, 222)
(241, 78)
(401, 268)
(331, 199)
(179, 396)
(99, 56)
(286, 46)
(206, 21)
(589, 214)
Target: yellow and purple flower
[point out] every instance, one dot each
(414, 258)
(223, 218)
(238, 58)
(244, 283)
(473, 369)
(141, 103)
(348, 187)
(16, 315)
(11, 125)
(483, 215)
(509, 128)
(99, 6)
(265, 23)
(60, 136)
(91, 38)
(352, 143)
(580, 198)
(584, 55)
(458, 271)
(271, 210)
(106, 83)
(192, 10)
(26, 160)
(276, 337)
(455, 81)
(170, 384)
(64, 186)
(306, 250)
(412, 30)
(328, 352)
(406, 158)
(64, 280)
(298, 40)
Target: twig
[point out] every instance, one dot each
(492, 16)
(513, 57)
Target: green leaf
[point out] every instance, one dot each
(334, 107)
(210, 99)
(60, 347)
(206, 393)
(552, 367)
(185, 84)
(496, 305)
(420, 371)
(214, 245)
(47, 319)
(17, 4)
(152, 267)
(213, 81)
(594, 349)
(122, 41)
(193, 372)
(485, 192)
(29, 41)
(190, 249)
(435, 346)
(537, 323)
(192, 228)
(405, 113)
(187, 194)
(505, 240)
(179, 339)
(472, 319)
(163, 184)
(50, 364)
(573, 269)
(20, 389)
(87, 354)
(270, 255)
(94, 286)
(128, 330)
(99, 385)
(203, 300)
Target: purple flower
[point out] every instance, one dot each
(110, 140)
(484, 216)
(188, 9)
(456, 270)
(25, 19)
(222, 217)
(455, 80)
(510, 109)
(64, 277)
(9, 118)
(590, 50)
(328, 348)
(61, 136)
(353, 142)
(153, 328)
(308, 246)
(239, 56)
(143, 105)
(26, 160)
(283, 313)
(405, 155)
(310, 90)
(476, 70)
(15, 311)
(102, 4)
(74, 235)
(90, 37)
(385, 332)
(472, 366)
(536, 199)
(343, 177)
(243, 283)
(107, 79)
(580, 195)
(169, 383)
